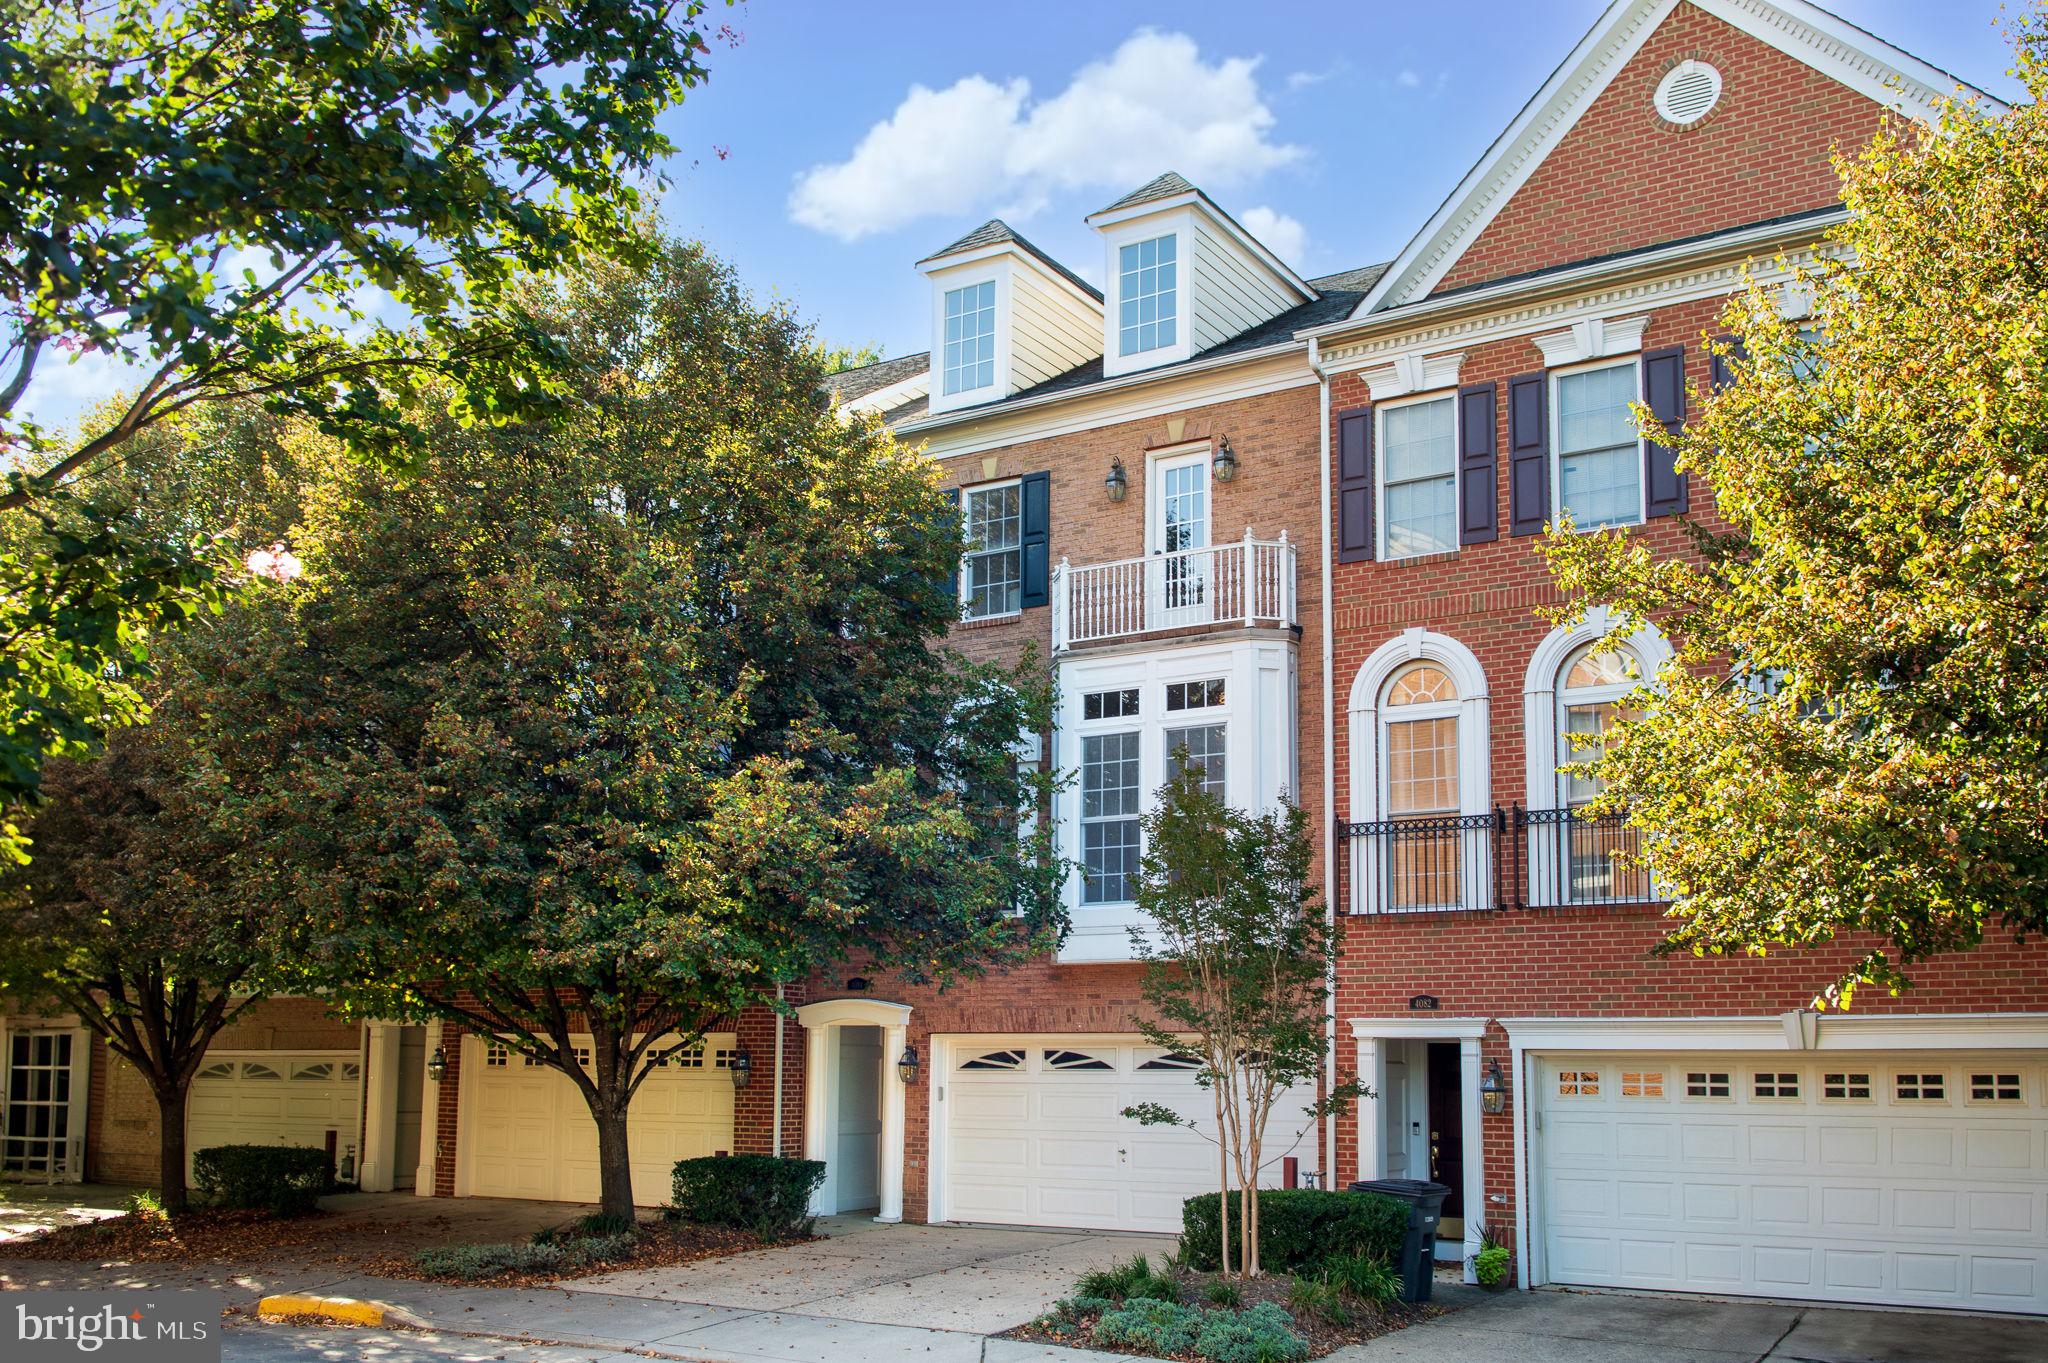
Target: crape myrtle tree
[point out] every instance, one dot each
(604, 726)
(1851, 742)
(138, 913)
(1237, 954)
(322, 208)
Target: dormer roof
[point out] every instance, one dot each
(1167, 186)
(996, 232)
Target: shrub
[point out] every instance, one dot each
(1221, 1293)
(1261, 1334)
(287, 1180)
(760, 1193)
(1298, 1228)
(1157, 1327)
(1320, 1297)
(551, 1255)
(1123, 1281)
(1490, 1265)
(1364, 1276)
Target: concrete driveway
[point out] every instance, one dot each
(1554, 1326)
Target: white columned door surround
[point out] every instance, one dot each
(1792, 1033)
(430, 1118)
(1368, 1034)
(821, 1023)
(380, 1109)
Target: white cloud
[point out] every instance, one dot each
(1284, 237)
(1152, 105)
(1409, 80)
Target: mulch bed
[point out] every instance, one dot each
(658, 1245)
(1323, 1337)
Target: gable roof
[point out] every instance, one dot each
(851, 385)
(1164, 187)
(1851, 55)
(1336, 295)
(996, 232)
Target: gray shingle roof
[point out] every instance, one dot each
(1337, 294)
(1165, 187)
(995, 232)
(850, 385)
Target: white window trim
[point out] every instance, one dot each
(945, 342)
(1106, 728)
(1634, 362)
(1585, 695)
(942, 284)
(1179, 226)
(1173, 293)
(961, 586)
(1379, 472)
(1542, 695)
(1368, 691)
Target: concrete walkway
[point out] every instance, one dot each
(26, 1208)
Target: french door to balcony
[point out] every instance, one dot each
(1179, 589)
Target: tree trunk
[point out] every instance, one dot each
(614, 1162)
(1222, 1188)
(171, 1098)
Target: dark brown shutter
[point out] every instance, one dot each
(1664, 392)
(1478, 464)
(1528, 453)
(1354, 485)
(1724, 370)
(958, 523)
(1036, 541)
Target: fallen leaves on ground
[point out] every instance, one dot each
(658, 1245)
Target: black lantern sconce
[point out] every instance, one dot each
(1117, 483)
(1493, 1091)
(741, 1067)
(437, 1065)
(1224, 465)
(906, 1068)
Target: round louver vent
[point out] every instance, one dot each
(1688, 91)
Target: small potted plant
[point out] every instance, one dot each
(1494, 1263)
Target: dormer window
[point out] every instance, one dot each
(970, 337)
(1147, 295)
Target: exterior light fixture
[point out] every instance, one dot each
(1224, 465)
(1117, 483)
(906, 1068)
(740, 1067)
(437, 1065)
(1493, 1091)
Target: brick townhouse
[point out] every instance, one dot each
(1635, 1121)
(1288, 526)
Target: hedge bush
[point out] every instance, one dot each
(1298, 1228)
(285, 1179)
(476, 1262)
(760, 1193)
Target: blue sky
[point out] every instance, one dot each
(836, 144)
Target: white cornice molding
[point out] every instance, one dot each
(1423, 1025)
(1413, 372)
(1592, 338)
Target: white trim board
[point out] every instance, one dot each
(1861, 61)
(1836, 1032)
(1425, 1026)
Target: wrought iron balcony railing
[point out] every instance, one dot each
(1512, 858)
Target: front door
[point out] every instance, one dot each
(44, 1134)
(857, 1176)
(1181, 587)
(1447, 1137)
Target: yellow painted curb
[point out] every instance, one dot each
(302, 1307)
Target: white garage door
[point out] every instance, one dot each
(1035, 1134)
(526, 1131)
(274, 1099)
(1914, 1178)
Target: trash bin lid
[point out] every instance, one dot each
(1407, 1189)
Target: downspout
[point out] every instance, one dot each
(1328, 645)
(776, 1118)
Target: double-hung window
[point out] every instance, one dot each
(992, 575)
(1110, 793)
(970, 358)
(1147, 317)
(1202, 747)
(1599, 452)
(1419, 478)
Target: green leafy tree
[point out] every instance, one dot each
(1851, 743)
(604, 727)
(321, 208)
(1237, 960)
(840, 358)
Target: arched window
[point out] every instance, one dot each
(1589, 695)
(1419, 738)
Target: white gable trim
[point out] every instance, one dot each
(1803, 31)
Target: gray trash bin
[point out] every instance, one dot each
(1418, 1249)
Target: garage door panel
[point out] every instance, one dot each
(280, 1099)
(1882, 1191)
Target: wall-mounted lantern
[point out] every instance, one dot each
(1493, 1091)
(437, 1065)
(1117, 483)
(1224, 465)
(741, 1067)
(906, 1068)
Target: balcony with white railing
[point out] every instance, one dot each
(1243, 584)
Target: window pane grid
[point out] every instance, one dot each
(1146, 278)
(1598, 456)
(994, 569)
(1205, 749)
(970, 360)
(1109, 817)
(1418, 447)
